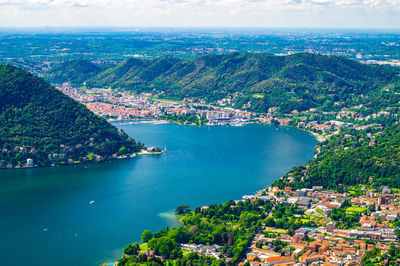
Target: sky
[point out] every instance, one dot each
(201, 13)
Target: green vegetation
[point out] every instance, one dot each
(182, 209)
(356, 209)
(294, 82)
(132, 249)
(41, 123)
(375, 257)
(74, 71)
(147, 235)
(343, 217)
(349, 159)
(229, 225)
(286, 86)
(187, 119)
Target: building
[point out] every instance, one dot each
(29, 162)
(303, 202)
(330, 227)
(279, 260)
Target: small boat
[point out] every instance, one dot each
(91, 202)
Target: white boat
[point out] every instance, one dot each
(91, 202)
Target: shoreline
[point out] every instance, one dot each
(320, 138)
(178, 219)
(123, 157)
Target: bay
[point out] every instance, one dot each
(46, 218)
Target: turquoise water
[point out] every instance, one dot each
(46, 218)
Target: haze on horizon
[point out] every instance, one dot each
(201, 13)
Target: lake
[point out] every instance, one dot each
(46, 218)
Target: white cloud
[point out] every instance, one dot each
(200, 13)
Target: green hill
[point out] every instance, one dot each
(37, 120)
(295, 82)
(351, 158)
(74, 71)
(252, 81)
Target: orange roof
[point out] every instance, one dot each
(277, 259)
(297, 244)
(341, 233)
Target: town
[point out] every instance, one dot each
(120, 106)
(330, 241)
(335, 228)
(124, 105)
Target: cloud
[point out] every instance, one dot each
(283, 4)
(199, 12)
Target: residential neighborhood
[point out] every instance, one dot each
(329, 242)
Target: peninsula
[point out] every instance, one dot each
(40, 126)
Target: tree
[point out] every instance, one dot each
(122, 151)
(146, 236)
(142, 257)
(132, 249)
(182, 209)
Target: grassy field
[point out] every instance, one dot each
(185, 251)
(356, 209)
(165, 101)
(258, 96)
(276, 230)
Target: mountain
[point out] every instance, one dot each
(255, 82)
(37, 120)
(296, 82)
(74, 71)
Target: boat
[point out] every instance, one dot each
(91, 202)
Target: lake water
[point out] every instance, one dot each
(46, 218)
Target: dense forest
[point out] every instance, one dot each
(351, 158)
(230, 225)
(74, 71)
(251, 81)
(41, 123)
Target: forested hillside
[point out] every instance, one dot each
(296, 82)
(74, 71)
(250, 81)
(37, 120)
(352, 158)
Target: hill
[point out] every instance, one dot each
(74, 71)
(255, 82)
(39, 122)
(351, 158)
(296, 82)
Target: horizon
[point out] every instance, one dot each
(177, 29)
(365, 14)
